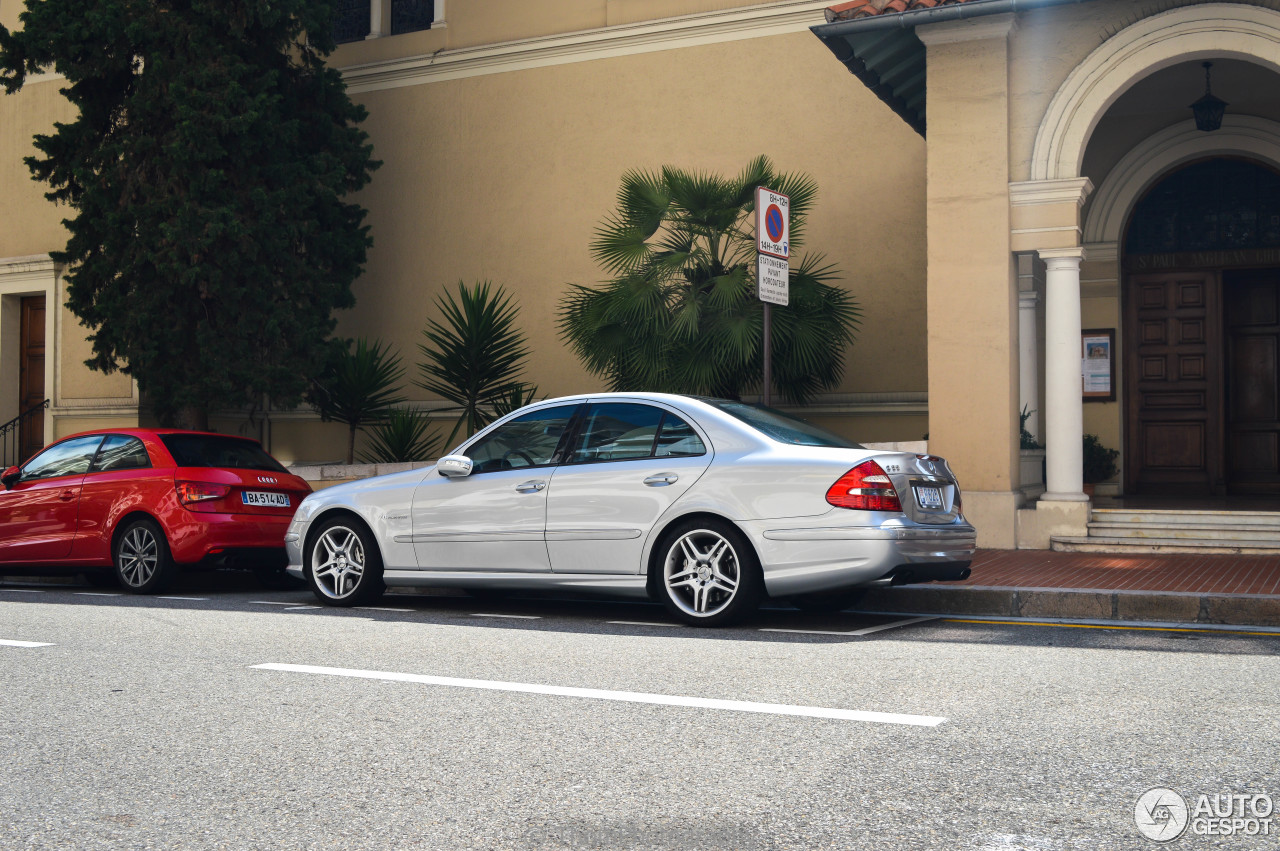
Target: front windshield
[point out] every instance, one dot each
(782, 427)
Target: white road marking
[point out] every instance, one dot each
(642, 623)
(98, 594)
(182, 598)
(7, 643)
(857, 632)
(622, 696)
(24, 590)
(381, 609)
(300, 608)
(270, 603)
(521, 617)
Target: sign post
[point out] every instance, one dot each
(773, 267)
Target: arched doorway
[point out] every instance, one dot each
(1201, 301)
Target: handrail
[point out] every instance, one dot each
(11, 431)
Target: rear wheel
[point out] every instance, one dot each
(142, 559)
(708, 573)
(343, 565)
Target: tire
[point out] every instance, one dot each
(141, 557)
(343, 565)
(707, 573)
(828, 601)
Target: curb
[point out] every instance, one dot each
(1077, 604)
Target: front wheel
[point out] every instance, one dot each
(708, 574)
(141, 558)
(344, 566)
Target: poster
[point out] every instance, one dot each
(1098, 364)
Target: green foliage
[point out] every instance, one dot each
(358, 387)
(680, 312)
(516, 397)
(402, 436)
(205, 168)
(1026, 440)
(474, 355)
(1099, 461)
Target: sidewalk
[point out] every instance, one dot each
(1217, 589)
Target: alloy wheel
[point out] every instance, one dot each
(139, 556)
(702, 573)
(338, 562)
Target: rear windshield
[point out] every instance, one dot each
(782, 427)
(211, 450)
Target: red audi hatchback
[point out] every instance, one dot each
(146, 503)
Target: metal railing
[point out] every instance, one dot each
(11, 434)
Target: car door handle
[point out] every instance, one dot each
(661, 479)
(67, 496)
(530, 487)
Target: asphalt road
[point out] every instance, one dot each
(148, 723)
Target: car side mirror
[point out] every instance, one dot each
(454, 466)
(10, 476)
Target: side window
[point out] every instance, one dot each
(120, 452)
(68, 458)
(527, 441)
(678, 439)
(616, 432)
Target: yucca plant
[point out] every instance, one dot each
(474, 354)
(679, 312)
(358, 387)
(403, 436)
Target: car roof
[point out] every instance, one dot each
(153, 432)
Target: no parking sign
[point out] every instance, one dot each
(773, 223)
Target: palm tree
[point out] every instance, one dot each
(357, 388)
(680, 313)
(474, 357)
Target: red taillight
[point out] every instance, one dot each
(865, 487)
(193, 492)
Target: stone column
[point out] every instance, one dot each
(1064, 409)
(1029, 360)
(379, 18)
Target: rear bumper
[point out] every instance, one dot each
(199, 536)
(816, 557)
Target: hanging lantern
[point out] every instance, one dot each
(1209, 109)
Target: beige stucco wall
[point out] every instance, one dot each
(972, 300)
(505, 176)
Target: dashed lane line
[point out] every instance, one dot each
(197, 599)
(620, 696)
(8, 643)
(270, 603)
(518, 617)
(857, 632)
(300, 608)
(381, 609)
(642, 623)
(98, 593)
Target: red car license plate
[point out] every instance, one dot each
(265, 498)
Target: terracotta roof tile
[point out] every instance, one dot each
(867, 8)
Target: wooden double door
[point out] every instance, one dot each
(31, 389)
(1203, 383)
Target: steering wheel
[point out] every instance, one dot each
(506, 457)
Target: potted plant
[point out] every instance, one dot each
(1099, 462)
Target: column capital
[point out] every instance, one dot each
(1028, 299)
(1062, 258)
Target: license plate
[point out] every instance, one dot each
(265, 498)
(929, 497)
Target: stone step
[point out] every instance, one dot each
(1179, 517)
(1147, 546)
(1202, 531)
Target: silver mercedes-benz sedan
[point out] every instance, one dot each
(708, 505)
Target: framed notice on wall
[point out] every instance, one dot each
(1098, 364)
